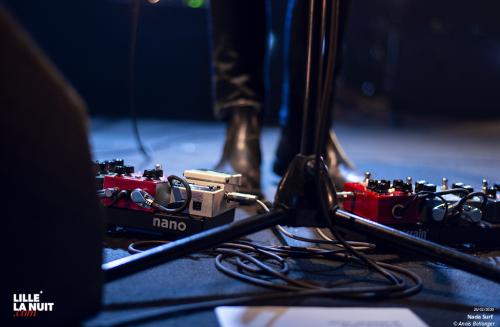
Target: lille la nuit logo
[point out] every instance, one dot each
(27, 305)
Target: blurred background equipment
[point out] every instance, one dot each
(400, 57)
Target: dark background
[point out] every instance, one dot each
(405, 57)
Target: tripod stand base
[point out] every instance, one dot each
(298, 198)
(413, 244)
(205, 240)
(297, 192)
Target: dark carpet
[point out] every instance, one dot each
(461, 152)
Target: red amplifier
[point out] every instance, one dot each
(152, 182)
(382, 202)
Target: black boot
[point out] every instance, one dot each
(288, 147)
(340, 168)
(242, 148)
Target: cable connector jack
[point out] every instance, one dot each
(242, 198)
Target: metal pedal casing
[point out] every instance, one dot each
(208, 190)
(158, 188)
(206, 201)
(391, 207)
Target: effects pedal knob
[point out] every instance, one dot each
(119, 170)
(383, 186)
(471, 213)
(368, 176)
(397, 184)
(438, 213)
(402, 186)
(114, 163)
(444, 184)
(104, 167)
(491, 192)
(119, 162)
(419, 185)
(429, 187)
(129, 170)
(484, 186)
(372, 184)
(149, 174)
(158, 171)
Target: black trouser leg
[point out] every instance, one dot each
(238, 51)
(293, 88)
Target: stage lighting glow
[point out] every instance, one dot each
(195, 3)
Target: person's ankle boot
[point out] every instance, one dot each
(340, 167)
(242, 148)
(288, 147)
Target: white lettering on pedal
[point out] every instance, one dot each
(169, 224)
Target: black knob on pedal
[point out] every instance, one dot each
(119, 170)
(129, 170)
(397, 183)
(429, 187)
(103, 167)
(401, 186)
(382, 186)
(119, 162)
(491, 192)
(158, 174)
(158, 171)
(419, 185)
(372, 184)
(148, 174)
(96, 167)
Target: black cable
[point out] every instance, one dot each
(264, 265)
(180, 205)
(428, 194)
(135, 14)
(321, 172)
(469, 196)
(327, 88)
(284, 233)
(453, 191)
(173, 207)
(242, 255)
(322, 51)
(260, 265)
(120, 195)
(358, 245)
(456, 207)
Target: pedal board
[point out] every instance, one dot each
(429, 212)
(208, 207)
(164, 224)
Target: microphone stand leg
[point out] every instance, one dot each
(205, 240)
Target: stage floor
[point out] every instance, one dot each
(466, 152)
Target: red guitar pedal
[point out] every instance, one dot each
(382, 202)
(152, 182)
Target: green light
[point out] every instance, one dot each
(195, 3)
